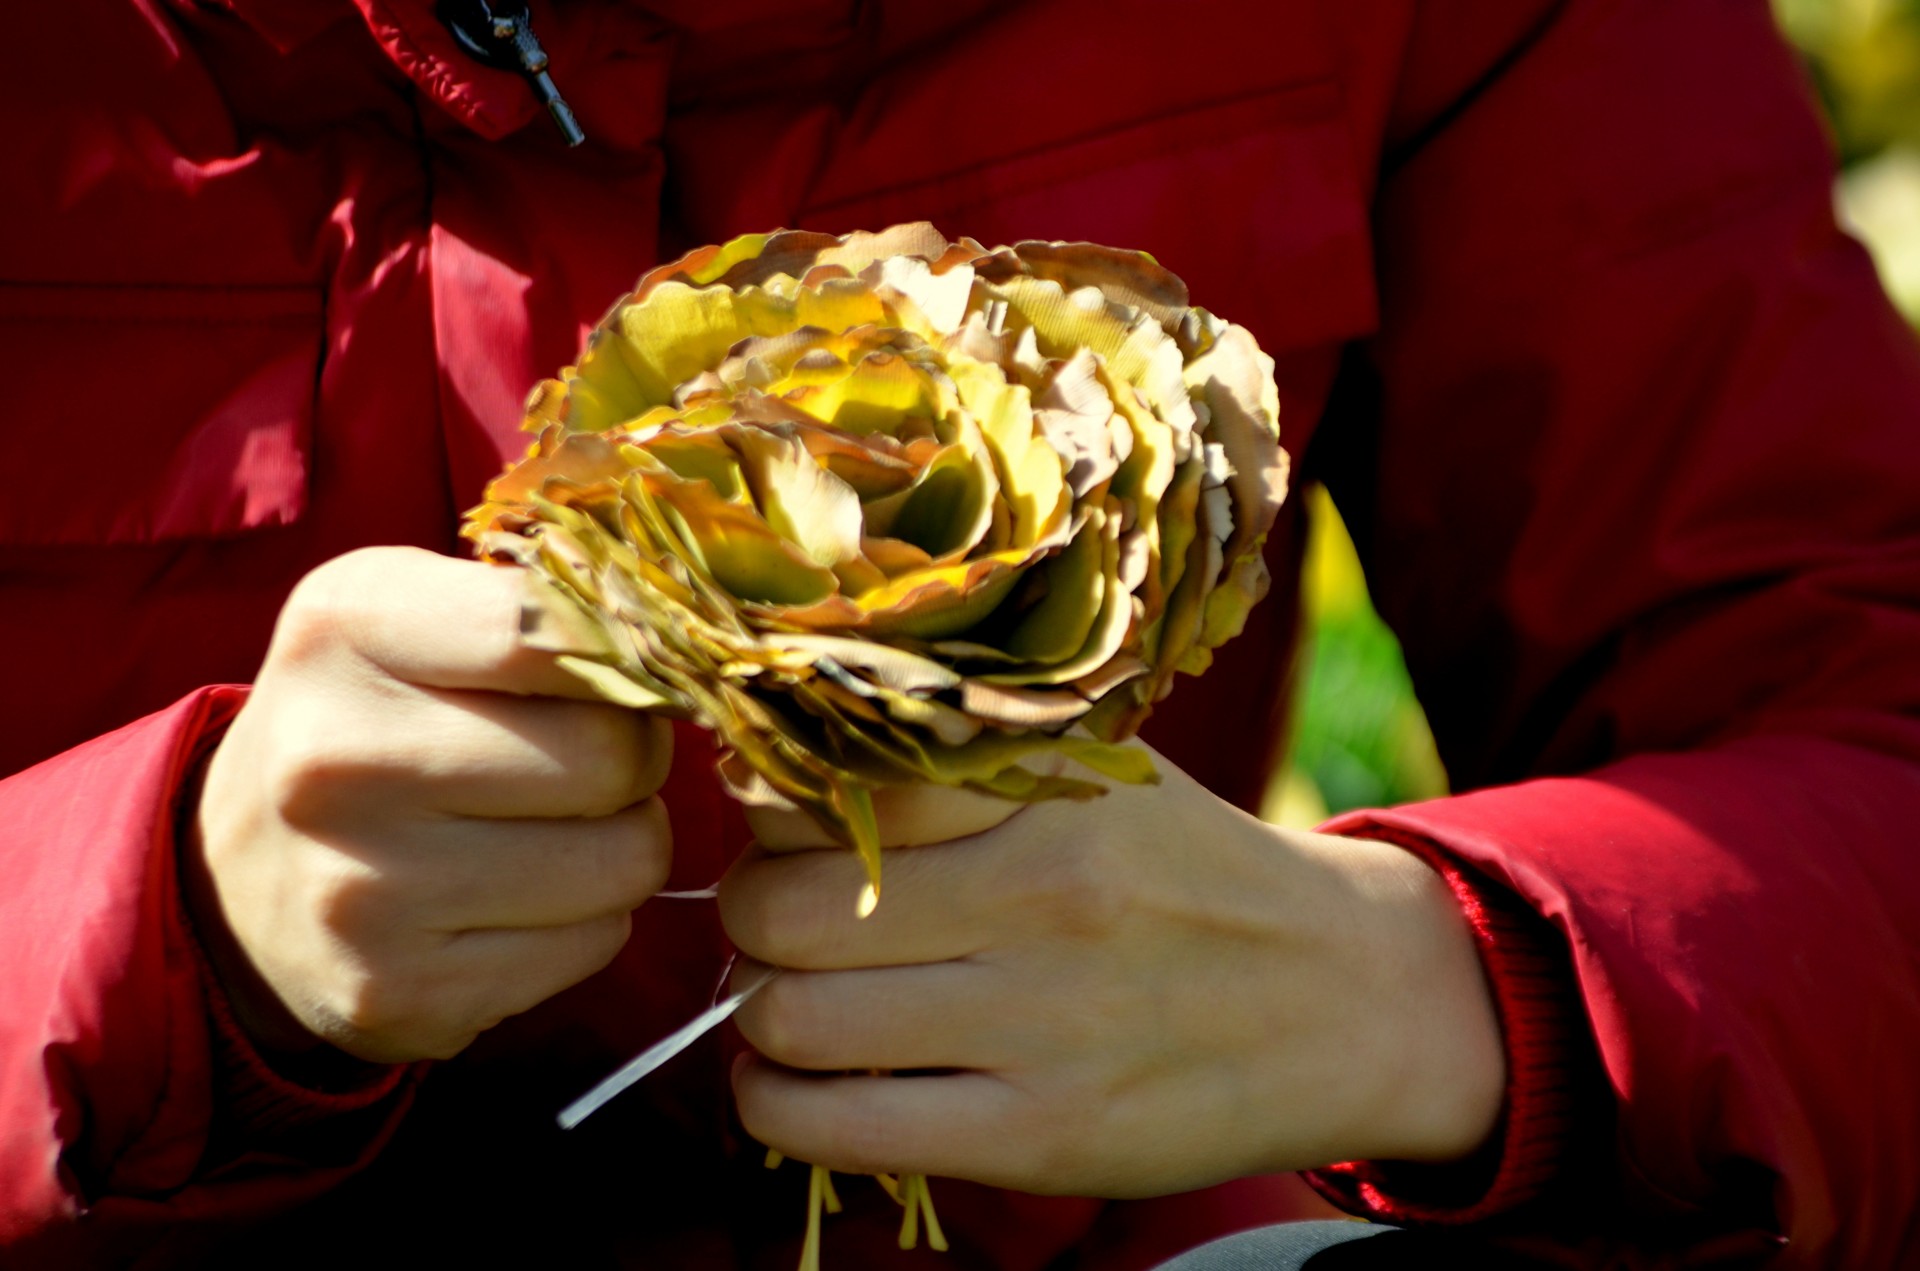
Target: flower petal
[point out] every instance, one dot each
(801, 501)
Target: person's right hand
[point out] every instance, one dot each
(410, 832)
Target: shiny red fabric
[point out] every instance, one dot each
(1621, 421)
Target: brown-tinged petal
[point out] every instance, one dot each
(883, 664)
(921, 300)
(895, 557)
(874, 465)
(1076, 417)
(579, 459)
(1132, 278)
(1130, 342)
(1021, 707)
(1235, 380)
(1031, 475)
(859, 249)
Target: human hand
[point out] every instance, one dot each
(408, 834)
(1143, 994)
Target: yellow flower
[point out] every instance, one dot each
(884, 509)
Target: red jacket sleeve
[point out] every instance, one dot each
(1640, 489)
(125, 1091)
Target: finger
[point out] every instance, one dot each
(909, 816)
(545, 757)
(436, 1006)
(960, 1125)
(424, 619)
(489, 875)
(490, 755)
(947, 1015)
(799, 909)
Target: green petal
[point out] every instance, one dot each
(1112, 619)
(951, 507)
(700, 456)
(737, 549)
(673, 335)
(622, 688)
(1057, 628)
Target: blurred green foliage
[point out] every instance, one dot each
(1359, 737)
(1864, 59)
(1864, 56)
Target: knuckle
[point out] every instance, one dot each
(754, 1104)
(647, 855)
(325, 608)
(606, 759)
(352, 909)
(309, 764)
(627, 861)
(768, 924)
(784, 1023)
(1079, 888)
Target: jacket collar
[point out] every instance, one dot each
(491, 102)
(579, 38)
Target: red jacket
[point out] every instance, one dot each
(1622, 423)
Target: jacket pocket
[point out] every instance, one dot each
(1255, 201)
(153, 414)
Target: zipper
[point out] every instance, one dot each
(499, 33)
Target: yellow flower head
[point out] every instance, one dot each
(883, 509)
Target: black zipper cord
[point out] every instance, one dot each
(499, 33)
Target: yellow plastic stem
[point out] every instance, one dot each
(935, 1237)
(910, 1222)
(810, 1251)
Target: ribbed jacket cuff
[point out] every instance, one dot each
(258, 1102)
(1531, 977)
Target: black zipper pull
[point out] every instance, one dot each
(498, 33)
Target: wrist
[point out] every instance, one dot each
(249, 1000)
(1434, 1060)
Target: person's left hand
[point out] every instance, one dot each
(1138, 995)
